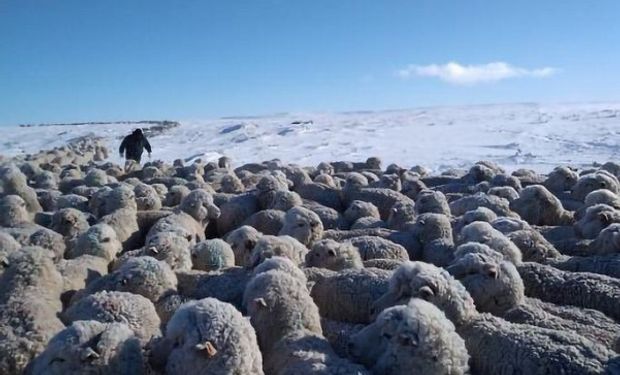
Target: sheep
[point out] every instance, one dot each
(323, 194)
(108, 307)
(227, 285)
(497, 288)
(346, 295)
(99, 240)
(330, 218)
(211, 255)
(268, 246)
(14, 211)
(594, 181)
(479, 214)
(368, 223)
(384, 199)
(8, 245)
(242, 240)
(587, 290)
(282, 264)
(303, 225)
(210, 337)
(434, 241)
(267, 221)
(333, 255)
(235, 211)
(175, 195)
(79, 202)
(146, 197)
(561, 179)
(373, 247)
(416, 336)
(36, 235)
(538, 206)
(401, 214)
(608, 265)
(496, 204)
(277, 304)
(69, 222)
(45, 180)
(305, 352)
(484, 233)
(117, 208)
(507, 192)
(494, 345)
(388, 181)
(358, 209)
(429, 201)
(595, 219)
(97, 177)
(48, 199)
(231, 184)
(325, 179)
(284, 200)
(30, 289)
(533, 245)
(14, 182)
(91, 347)
(509, 224)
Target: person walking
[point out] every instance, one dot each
(133, 145)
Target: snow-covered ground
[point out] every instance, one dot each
(514, 135)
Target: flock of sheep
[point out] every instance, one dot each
(269, 268)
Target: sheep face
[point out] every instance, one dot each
(175, 195)
(199, 204)
(333, 256)
(14, 211)
(608, 241)
(303, 225)
(99, 240)
(431, 226)
(242, 240)
(561, 179)
(211, 255)
(358, 209)
(430, 201)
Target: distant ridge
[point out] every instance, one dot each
(146, 122)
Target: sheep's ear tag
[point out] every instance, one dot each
(88, 354)
(260, 302)
(153, 250)
(207, 347)
(408, 339)
(331, 253)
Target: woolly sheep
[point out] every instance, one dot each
(374, 247)
(401, 214)
(384, 199)
(227, 285)
(330, 218)
(595, 219)
(479, 214)
(8, 245)
(242, 240)
(594, 181)
(175, 195)
(30, 289)
(99, 240)
(496, 204)
(36, 235)
(79, 202)
(429, 201)
(210, 337)
(434, 241)
(506, 192)
(91, 347)
(108, 307)
(268, 246)
(359, 209)
(484, 233)
(303, 225)
(69, 222)
(533, 245)
(413, 336)
(14, 211)
(538, 206)
(368, 223)
(494, 345)
(267, 221)
(235, 211)
(347, 295)
(561, 179)
(147, 198)
(282, 264)
(509, 224)
(333, 255)
(211, 255)
(277, 304)
(323, 194)
(497, 288)
(14, 182)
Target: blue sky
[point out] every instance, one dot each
(76, 60)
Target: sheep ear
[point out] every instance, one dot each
(605, 218)
(88, 354)
(260, 302)
(207, 347)
(153, 250)
(426, 292)
(331, 253)
(409, 339)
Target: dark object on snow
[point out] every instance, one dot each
(133, 145)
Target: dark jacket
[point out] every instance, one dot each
(134, 144)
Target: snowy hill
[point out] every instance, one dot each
(515, 135)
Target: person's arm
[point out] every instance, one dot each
(121, 149)
(147, 146)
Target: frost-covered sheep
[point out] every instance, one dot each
(509, 224)
(484, 233)
(77, 201)
(374, 247)
(108, 307)
(91, 347)
(359, 209)
(330, 218)
(77, 273)
(494, 345)
(506, 192)
(303, 225)
(601, 196)
(211, 255)
(235, 210)
(269, 246)
(434, 240)
(384, 199)
(389, 181)
(8, 245)
(36, 235)
(97, 177)
(368, 223)
(45, 180)
(99, 240)
(69, 222)
(226, 285)
(333, 255)
(147, 197)
(144, 276)
(282, 264)
(594, 181)
(497, 288)
(413, 336)
(533, 245)
(496, 204)
(323, 194)
(607, 241)
(119, 211)
(209, 337)
(284, 200)
(479, 214)
(30, 289)
(267, 221)
(306, 352)
(347, 295)
(13, 211)
(242, 240)
(325, 179)
(14, 182)
(595, 219)
(430, 201)
(401, 215)
(561, 179)
(587, 290)
(538, 206)
(278, 304)
(175, 195)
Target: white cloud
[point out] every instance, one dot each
(456, 73)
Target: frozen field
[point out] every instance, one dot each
(515, 135)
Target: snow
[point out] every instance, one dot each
(514, 135)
